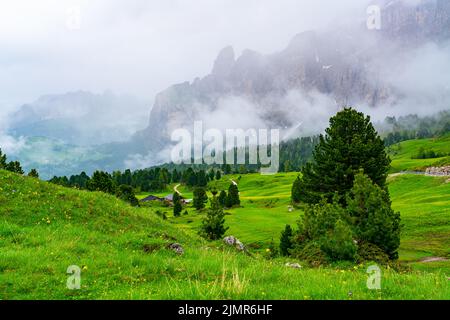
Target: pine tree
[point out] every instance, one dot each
(374, 221)
(101, 181)
(126, 193)
(202, 179)
(233, 196)
(218, 175)
(177, 207)
(200, 198)
(33, 173)
(350, 144)
(286, 241)
(223, 198)
(296, 190)
(213, 225)
(2, 160)
(211, 175)
(15, 167)
(175, 176)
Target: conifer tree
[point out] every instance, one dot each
(200, 198)
(213, 225)
(286, 241)
(177, 207)
(350, 144)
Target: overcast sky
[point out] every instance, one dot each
(140, 47)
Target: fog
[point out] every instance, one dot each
(139, 47)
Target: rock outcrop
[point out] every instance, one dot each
(177, 248)
(234, 242)
(346, 66)
(438, 171)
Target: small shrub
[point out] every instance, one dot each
(311, 253)
(338, 244)
(368, 252)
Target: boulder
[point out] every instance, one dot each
(293, 265)
(234, 242)
(438, 171)
(177, 248)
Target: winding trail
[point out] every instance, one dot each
(433, 259)
(176, 189)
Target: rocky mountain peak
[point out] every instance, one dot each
(224, 61)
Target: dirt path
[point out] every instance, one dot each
(433, 259)
(176, 189)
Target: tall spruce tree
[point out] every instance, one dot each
(177, 207)
(223, 198)
(200, 198)
(15, 167)
(233, 196)
(33, 173)
(296, 190)
(351, 143)
(2, 160)
(286, 241)
(374, 220)
(213, 225)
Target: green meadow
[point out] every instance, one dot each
(123, 251)
(403, 153)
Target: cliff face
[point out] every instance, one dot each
(345, 65)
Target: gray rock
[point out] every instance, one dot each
(234, 242)
(293, 265)
(177, 248)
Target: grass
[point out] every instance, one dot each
(424, 203)
(403, 153)
(123, 250)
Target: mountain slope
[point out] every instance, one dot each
(80, 118)
(318, 72)
(122, 252)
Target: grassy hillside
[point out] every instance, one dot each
(424, 203)
(122, 252)
(403, 153)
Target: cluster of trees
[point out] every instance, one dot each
(226, 200)
(429, 154)
(15, 166)
(347, 203)
(295, 153)
(199, 178)
(100, 181)
(413, 127)
(148, 180)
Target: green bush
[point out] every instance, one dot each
(311, 253)
(368, 252)
(374, 221)
(338, 244)
(367, 218)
